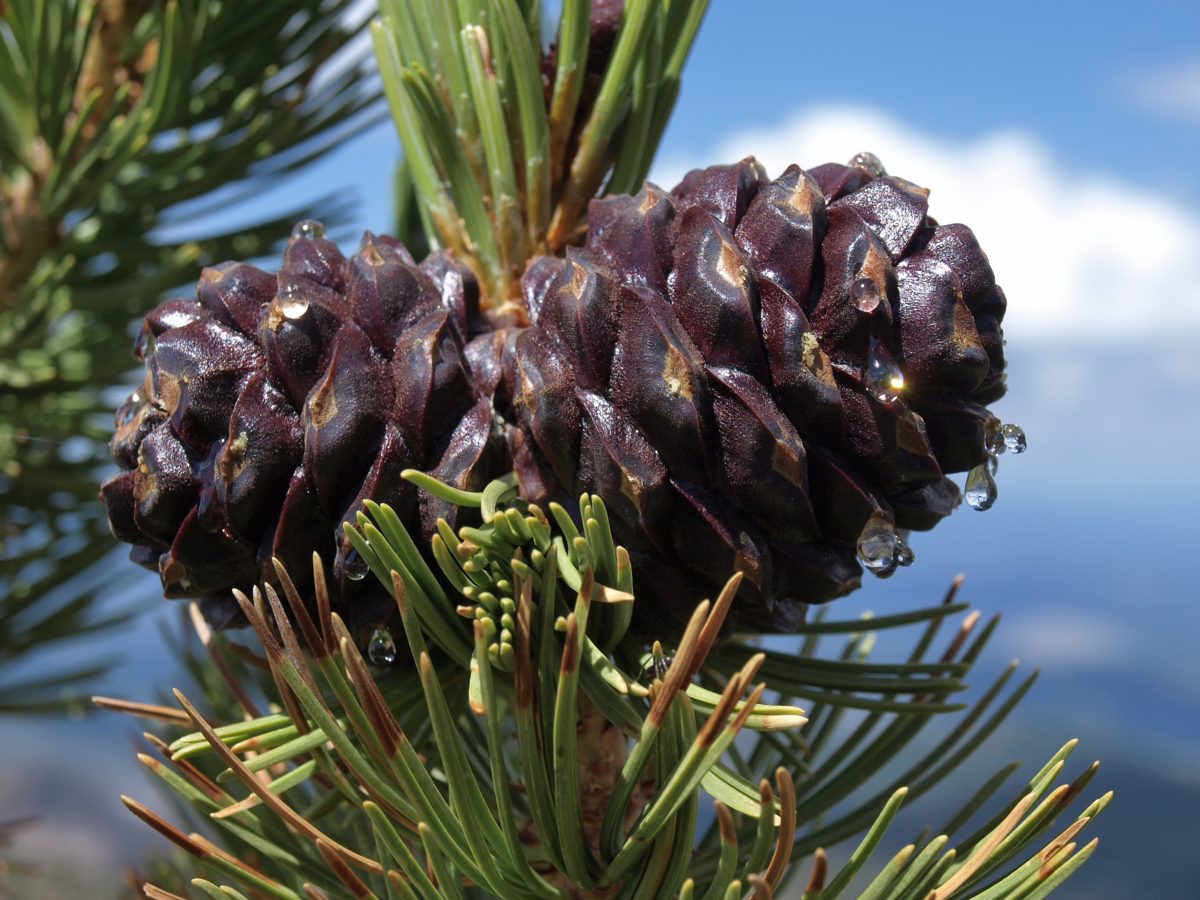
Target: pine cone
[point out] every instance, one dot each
(273, 405)
(723, 365)
(764, 376)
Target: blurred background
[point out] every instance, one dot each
(1066, 135)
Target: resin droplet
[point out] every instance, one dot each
(980, 490)
(1014, 438)
(877, 546)
(308, 228)
(381, 649)
(865, 294)
(993, 464)
(882, 377)
(993, 438)
(293, 302)
(904, 553)
(869, 163)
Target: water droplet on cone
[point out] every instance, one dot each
(143, 346)
(1014, 438)
(308, 228)
(381, 648)
(980, 491)
(869, 163)
(877, 546)
(866, 295)
(993, 438)
(882, 377)
(293, 302)
(355, 566)
(128, 410)
(208, 513)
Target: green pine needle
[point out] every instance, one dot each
(473, 763)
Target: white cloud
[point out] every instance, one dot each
(1083, 257)
(1172, 91)
(1067, 640)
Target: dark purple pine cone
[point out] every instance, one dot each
(764, 376)
(274, 404)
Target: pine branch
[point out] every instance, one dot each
(507, 142)
(128, 130)
(516, 758)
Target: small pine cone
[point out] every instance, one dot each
(273, 405)
(756, 375)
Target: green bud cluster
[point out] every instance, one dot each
(513, 543)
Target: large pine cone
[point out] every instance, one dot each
(274, 405)
(722, 364)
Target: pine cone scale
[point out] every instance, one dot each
(893, 209)
(659, 377)
(783, 230)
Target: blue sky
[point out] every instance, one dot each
(1073, 72)
(1066, 134)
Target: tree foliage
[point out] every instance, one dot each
(135, 139)
(533, 746)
